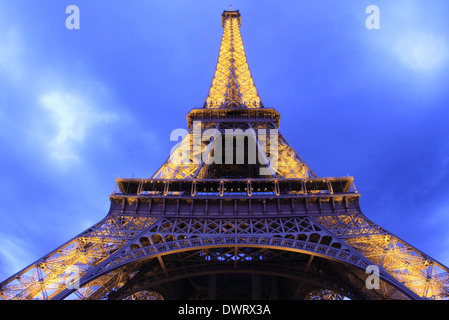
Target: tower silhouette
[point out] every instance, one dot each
(233, 213)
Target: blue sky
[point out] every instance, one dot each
(79, 108)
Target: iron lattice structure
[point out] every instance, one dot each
(218, 225)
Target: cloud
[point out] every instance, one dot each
(421, 51)
(412, 36)
(10, 54)
(58, 103)
(13, 255)
(415, 36)
(72, 117)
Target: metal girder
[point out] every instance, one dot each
(419, 272)
(53, 273)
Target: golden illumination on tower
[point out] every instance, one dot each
(232, 85)
(409, 266)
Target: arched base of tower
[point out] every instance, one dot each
(228, 274)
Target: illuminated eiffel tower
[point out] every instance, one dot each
(233, 213)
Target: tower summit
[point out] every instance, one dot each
(233, 213)
(232, 85)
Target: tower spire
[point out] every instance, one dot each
(232, 85)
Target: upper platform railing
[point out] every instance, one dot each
(234, 188)
(233, 115)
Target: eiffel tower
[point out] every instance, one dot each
(233, 213)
